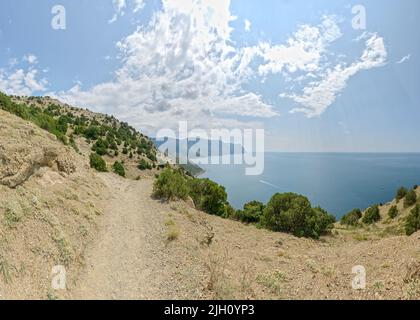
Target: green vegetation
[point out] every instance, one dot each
(97, 162)
(118, 168)
(412, 223)
(410, 199)
(208, 196)
(251, 213)
(352, 218)
(289, 212)
(401, 193)
(105, 134)
(293, 213)
(171, 185)
(393, 212)
(192, 169)
(144, 165)
(42, 118)
(371, 215)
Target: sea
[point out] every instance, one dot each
(338, 182)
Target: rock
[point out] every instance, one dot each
(413, 272)
(189, 201)
(18, 164)
(66, 163)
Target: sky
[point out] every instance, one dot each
(317, 76)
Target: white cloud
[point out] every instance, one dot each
(119, 6)
(303, 50)
(180, 67)
(247, 25)
(138, 5)
(30, 58)
(22, 82)
(404, 59)
(183, 66)
(318, 96)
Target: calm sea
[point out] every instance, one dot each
(337, 182)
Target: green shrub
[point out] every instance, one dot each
(97, 162)
(292, 213)
(393, 212)
(251, 213)
(401, 193)
(352, 218)
(144, 165)
(371, 215)
(208, 196)
(100, 147)
(410, 199)
(170, 185)
(118, 168)
(412, 223)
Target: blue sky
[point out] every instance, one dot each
(297, 68)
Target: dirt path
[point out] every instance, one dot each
(126, 260)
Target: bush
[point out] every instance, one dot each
(208, 196)
(412, 223)
(352, 218)
(410, 199)
(118, 168)
(170, 185)
(371, 215)
(97, 162)
(393, 212)
(401, 193)
(144, 165)
(251, 213)
(292, 213)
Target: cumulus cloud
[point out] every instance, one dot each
(319, 95)
(303, 50)
(182, 66)
(22, 82)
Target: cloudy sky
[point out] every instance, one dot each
(302, 70)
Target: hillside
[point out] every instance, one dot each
(118, 242)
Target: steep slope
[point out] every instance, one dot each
(49, 199)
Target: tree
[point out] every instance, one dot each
(144, 165)
(118, 168)
(97, 162)
(401, 193)
(251, 213)
(292, 213)
(393, 212)
(412, 223)
(208, 196)
(410, 199)
(352, 218)
(170, 185)
(371, 215)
